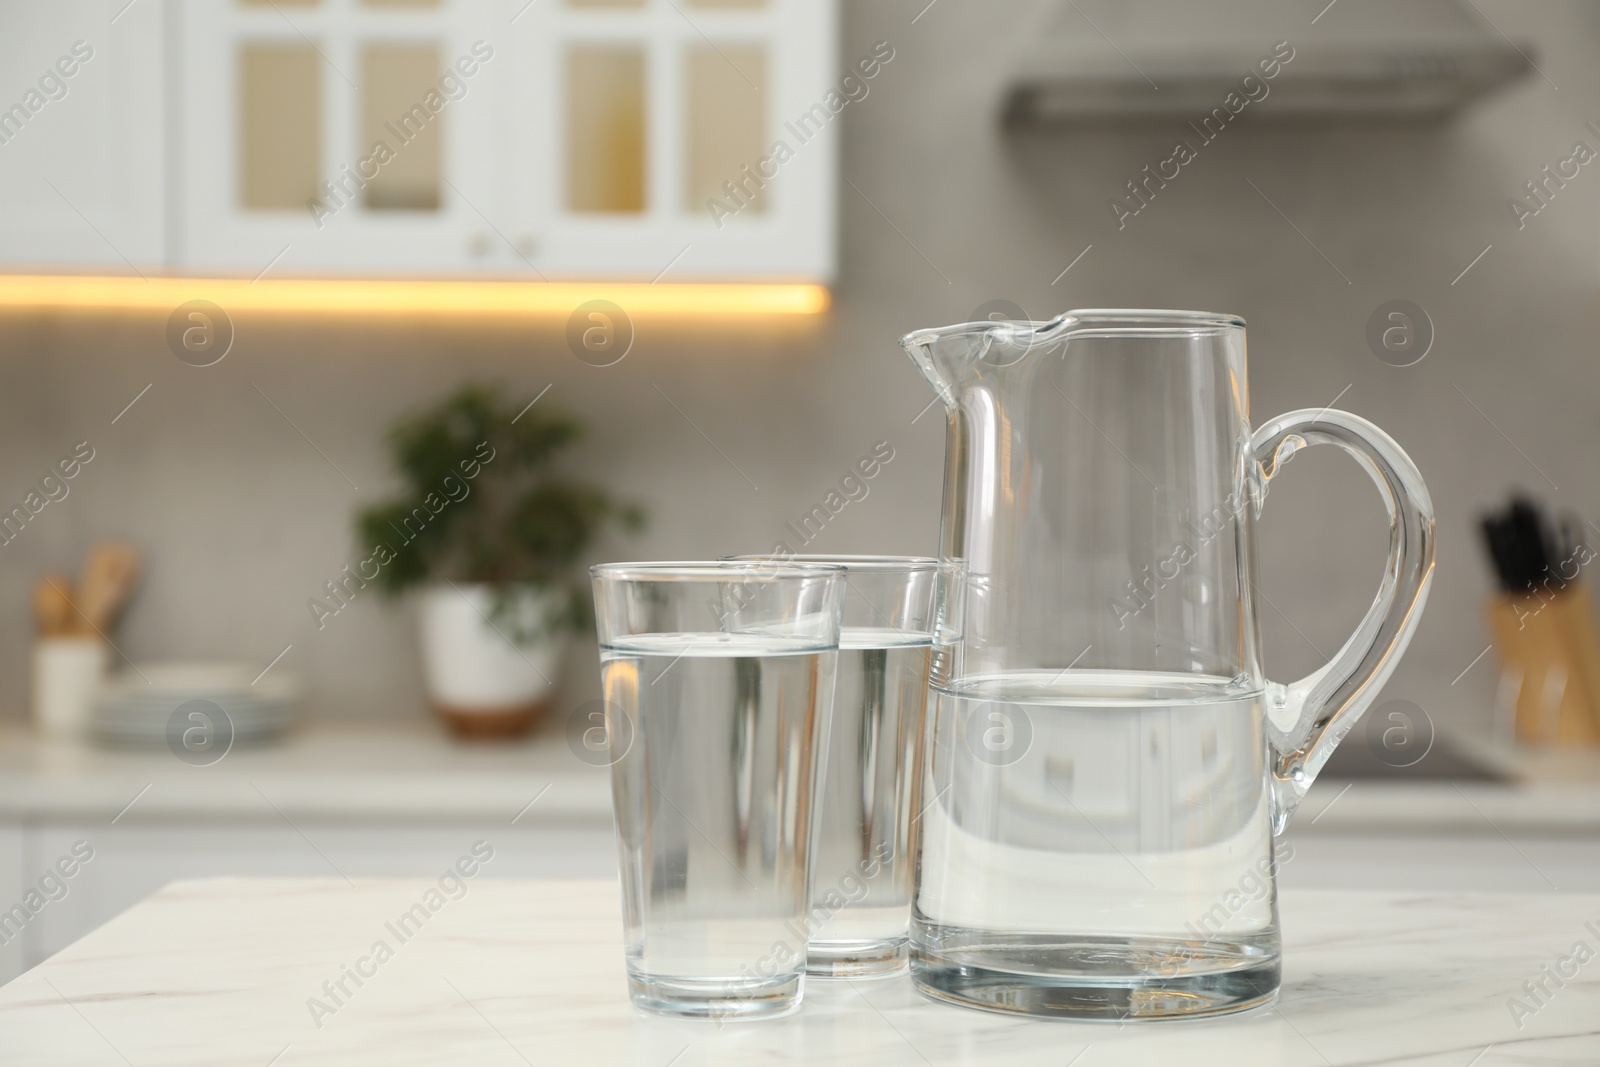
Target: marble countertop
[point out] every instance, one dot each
(411, 773)
(224, 972)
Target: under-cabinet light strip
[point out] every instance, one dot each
(408, 296)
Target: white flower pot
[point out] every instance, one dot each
(479, 677)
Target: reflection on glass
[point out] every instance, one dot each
(605, 3)
(279, 3)
(728, 3)
(401, 142)
(727, 127)
(605, 129)
(401, 3)
(280, 125)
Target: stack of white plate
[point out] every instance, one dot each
(136, 708)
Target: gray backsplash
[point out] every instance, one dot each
(243, 519)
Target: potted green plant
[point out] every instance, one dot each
(493, 537)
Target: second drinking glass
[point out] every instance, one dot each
(869, 797)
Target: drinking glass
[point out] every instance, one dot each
(718, 679)
(868, 800)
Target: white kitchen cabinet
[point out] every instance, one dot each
(82, 136)
(568, 139)
(281, 107)
(708, 90)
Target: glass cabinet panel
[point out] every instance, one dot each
(726, 92)
(280, 126)
(605, 129)
(402, 133)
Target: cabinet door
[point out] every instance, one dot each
(683, 139)
(81, 136)
(336, 134)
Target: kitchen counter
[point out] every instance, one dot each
(404, 772)
(413, 773)
(224, 972)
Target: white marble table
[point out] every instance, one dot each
(220, 972)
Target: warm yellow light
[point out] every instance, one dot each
(408, 296)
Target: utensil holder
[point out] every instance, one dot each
(1550, 663)
(67, 673)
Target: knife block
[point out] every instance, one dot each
(1550, 658)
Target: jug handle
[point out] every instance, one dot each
(1307, 719)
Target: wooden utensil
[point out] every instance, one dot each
(109, 575)
(52, 605)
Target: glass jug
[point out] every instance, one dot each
(1107, 764)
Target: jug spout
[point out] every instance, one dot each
(931, 351)
(927, 349)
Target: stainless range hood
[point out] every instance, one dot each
(1103, 60)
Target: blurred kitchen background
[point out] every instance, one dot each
(915, 205)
